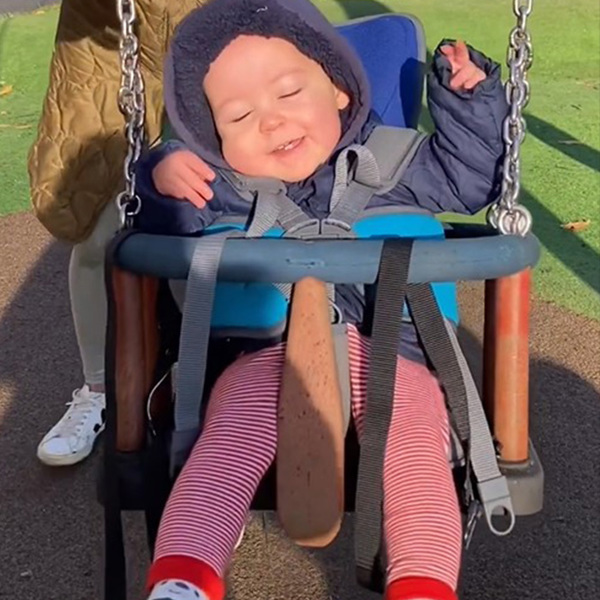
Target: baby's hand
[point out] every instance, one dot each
(184, 175)
(465, 74)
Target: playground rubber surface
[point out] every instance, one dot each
(51, 537)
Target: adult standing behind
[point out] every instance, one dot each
(76, 169)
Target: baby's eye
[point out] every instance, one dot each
(291, 94)
(241, 117)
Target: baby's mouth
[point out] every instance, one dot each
(291, 145)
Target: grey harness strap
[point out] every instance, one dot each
(361, 171)
(342, 361)
(375, 168)
(193, 344)
(272, 207)
(491, 484)
(444, 351)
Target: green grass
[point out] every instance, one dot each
(561, 162)
(25, 50)
(561, 156)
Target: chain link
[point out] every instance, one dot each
(507, 215)
(132, 104)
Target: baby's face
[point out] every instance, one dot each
(276, 111)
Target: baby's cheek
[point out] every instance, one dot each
(245, 158)
(331, 129)
(235, 156)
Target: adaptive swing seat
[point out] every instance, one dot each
(278, 284)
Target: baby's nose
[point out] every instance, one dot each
(271, 122)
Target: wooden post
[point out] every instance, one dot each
(150, 326)
(136, 351)
(506, 363)
(311, 435)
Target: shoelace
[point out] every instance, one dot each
(80, 409)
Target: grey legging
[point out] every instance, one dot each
(88, 295)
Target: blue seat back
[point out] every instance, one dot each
(393, 52)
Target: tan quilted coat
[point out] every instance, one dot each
(75, 165)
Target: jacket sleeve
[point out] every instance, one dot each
(458, 168)
(167, 215)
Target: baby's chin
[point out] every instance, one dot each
(287, 174)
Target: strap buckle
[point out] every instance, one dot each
(311, 228)
(495, 498)
(336, 228)
(317, 228)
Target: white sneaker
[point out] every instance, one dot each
(173, 589)
(72, 438)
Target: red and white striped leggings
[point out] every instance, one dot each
(210, 501)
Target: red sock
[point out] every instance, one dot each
(419, 588)
(189, 570)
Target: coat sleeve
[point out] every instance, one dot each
(458, 168)
(167, 215)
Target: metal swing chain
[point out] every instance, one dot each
(507, 215)
(132, 104)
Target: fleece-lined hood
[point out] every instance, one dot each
(205, 33)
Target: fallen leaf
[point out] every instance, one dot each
(6, 90)
(577, 225)
(591, 83)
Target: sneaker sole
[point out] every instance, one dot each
(59, 460)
